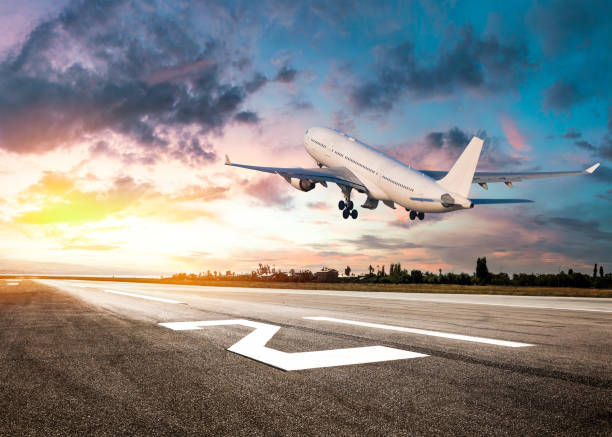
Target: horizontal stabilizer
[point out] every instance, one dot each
(494, 201)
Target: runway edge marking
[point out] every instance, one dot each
(484, 340)
(254, 346)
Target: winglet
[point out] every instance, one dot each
(592, 168)
(228, 162)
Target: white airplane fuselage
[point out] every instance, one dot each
(386, 178)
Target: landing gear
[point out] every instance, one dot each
(414, 214)
(347, 205)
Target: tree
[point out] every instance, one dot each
(601, 275)
(482, 271)
(595, 271)
(347, 271)
(416, 276)
(371, 269)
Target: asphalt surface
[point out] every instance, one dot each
(76, 359)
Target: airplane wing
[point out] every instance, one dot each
(336, 175)
(483, 177)
(495, 201)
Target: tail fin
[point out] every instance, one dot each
(459, 178)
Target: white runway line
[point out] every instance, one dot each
(12, 283)
(425, 332)
(254, 346)
(541, 307)
(141, 296)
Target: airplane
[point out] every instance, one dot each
(354, 165)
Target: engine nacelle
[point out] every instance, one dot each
(302, 184)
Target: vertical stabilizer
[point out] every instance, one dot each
(459, 178)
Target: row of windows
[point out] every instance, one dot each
(361, 165)
(397, 183)
(320, 144)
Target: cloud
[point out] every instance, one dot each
(583, 144)
(440, 150)
(374, 242)
(90, 247)
(60, 201)
(464, 61)
(270, 191)
(604, 149)
(286, 74)
(57, 198)
(588, 228)
(565, 24)
(319, 206)
(561, 96)
(248, 117)
(607, 195)
(125, 68)
(572, 134)
(514, 137)
(340, 120)
(199, 192)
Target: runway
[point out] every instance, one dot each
(85, 357)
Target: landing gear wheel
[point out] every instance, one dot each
(349, 205)
(354, 214)
(421, 215)
(346, 213)
(341, 205)
(413, 215)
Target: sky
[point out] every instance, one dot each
(115, 117)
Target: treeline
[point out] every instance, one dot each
(399, 275)
(482, 276)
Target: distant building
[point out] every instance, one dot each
(326, 275)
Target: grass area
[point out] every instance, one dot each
(346, 286)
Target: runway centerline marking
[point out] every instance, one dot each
(493, 341)
(254, 346)
(12, 283)
(142, 296)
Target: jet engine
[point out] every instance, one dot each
(302, 184)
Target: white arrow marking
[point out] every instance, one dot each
(254, 346)
(142, 296)
(425, 332)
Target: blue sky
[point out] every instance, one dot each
(111, 109)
